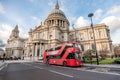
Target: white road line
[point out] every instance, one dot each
(38, 67)
(33, 66)
(39, 63)
(3, 67)
(61, 73)
(26, 64)
(110, 73)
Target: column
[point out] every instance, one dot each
(33, 51)
(36, 49)
(57, 22)
(62, 23)
(40, 50)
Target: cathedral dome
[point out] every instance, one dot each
(56, 13)
(56, 17)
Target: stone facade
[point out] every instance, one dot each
(85, 37)
(55, 30)
(15, 44)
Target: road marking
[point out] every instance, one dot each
(102, 72)
(3, 66)
(38, 67)
(26, 64)
(110, 73)
(39, 63)
(33, 66)
(61, 73)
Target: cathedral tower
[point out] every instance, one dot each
(58, 25)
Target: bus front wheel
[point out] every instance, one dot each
(64, 64)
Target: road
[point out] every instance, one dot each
(39, 71)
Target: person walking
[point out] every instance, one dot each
(4, 57)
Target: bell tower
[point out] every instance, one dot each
(15, 32)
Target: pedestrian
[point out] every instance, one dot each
(3, 57)
(30, 56)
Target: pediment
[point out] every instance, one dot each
(39, 28)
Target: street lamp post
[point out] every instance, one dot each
(75, 32)
(90, 15)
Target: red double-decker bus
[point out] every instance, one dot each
(67, 54)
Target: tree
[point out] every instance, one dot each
(89, 54)
(103, 53)
(117, 50)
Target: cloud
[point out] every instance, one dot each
(1, 8)
(51, 4)
(31, 0)
(5, 31)
(22, 33)
(115, 36)
(81, 21)
(98, 14)
(112, 21)
(36, 19)
(114, 10)
(2, 44)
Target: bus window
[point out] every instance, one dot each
(57, 57)
(58, 48)
(74, 56)
(71, 56)
(66, 47)
(52, 49)
(77, 56)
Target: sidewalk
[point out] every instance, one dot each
(103, 65)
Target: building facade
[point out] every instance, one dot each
(55, 30)
(85, 36)
(15, 45)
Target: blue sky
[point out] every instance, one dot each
(29, 13)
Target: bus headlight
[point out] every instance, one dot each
(77, 63)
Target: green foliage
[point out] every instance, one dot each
(117, 61)
(103, 61)
(107, 61)
(88, 60)
(103, 53)
(89, 53)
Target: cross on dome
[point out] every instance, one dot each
(57, 5)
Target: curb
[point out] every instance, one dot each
(101, 66)
(39, 61)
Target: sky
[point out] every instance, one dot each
(30, 13)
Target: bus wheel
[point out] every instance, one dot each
(64, 64)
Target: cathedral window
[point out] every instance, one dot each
(81, 38)
(91, 37)
(62, 36)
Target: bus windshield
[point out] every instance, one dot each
(77, 45)
(74, 56)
